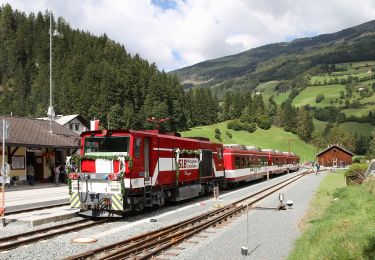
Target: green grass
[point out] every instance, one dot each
(359, 128)
(274, 138)
(358, 112)
(308, 95)
(341, 223)
(267, 89)
(352, 127)
(319, 126)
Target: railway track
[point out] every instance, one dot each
(154, 243)
(19, 211)
(44, 233)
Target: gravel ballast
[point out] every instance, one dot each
(271, 234)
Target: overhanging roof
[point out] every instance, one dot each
(334, 146)
(26, 132)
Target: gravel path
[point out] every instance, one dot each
(61, 246)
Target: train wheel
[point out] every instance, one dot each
(140, 206)
(161, 201)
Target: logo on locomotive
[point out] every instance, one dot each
(188, 163)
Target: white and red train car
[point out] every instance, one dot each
(246, 163)
(124, 170)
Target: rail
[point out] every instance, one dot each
(150, 244)
(39, 234)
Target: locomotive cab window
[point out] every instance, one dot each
(111, 144)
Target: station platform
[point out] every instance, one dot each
(26, 197)
(40, 217)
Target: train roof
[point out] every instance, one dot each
(150, 133)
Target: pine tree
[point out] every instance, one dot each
(115, 117)
(305, 125)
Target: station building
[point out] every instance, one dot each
(34, 141)
(335, 156)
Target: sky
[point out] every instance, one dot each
(179, 33)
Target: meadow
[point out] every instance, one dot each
(274, 138)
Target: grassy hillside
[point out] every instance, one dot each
(319, 125)
(268, 89)
(352, 127)
(274, 138)
(308, 95)
(359, 128)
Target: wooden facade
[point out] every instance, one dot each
(335, 156)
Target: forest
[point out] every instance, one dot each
(92, 76)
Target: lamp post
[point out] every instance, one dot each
(50, 112)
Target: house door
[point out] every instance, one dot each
(334, 162)
(37, 162)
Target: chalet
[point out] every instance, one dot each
(334, 156)
(33, 141)
(76, 123)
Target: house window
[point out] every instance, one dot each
(76, 127)
(71, 127)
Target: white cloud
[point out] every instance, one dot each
(199, 30)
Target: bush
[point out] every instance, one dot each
(218, 136)
(230, 125)
(249, 127)
(264, 123)
(356, 173)
(237, 125)
(228, 134)
(217, 131)
(319, 98)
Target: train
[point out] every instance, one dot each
(126, 170)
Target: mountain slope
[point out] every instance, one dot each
(286, 60)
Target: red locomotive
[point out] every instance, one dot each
(124, 170)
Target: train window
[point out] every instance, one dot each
(109, 144)
(238, 162)
(137, 147)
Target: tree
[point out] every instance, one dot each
(115, 117)
(305, 126)
(344, 139)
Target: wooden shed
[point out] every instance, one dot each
(335, 156)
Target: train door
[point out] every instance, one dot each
(146, 155)
(206, 163)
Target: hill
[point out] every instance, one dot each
(261, 138)
(282, 61)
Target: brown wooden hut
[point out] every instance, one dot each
(334, 156)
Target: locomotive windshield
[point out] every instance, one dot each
(111, 144)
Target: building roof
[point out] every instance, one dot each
(35, 132)
(334, 146)
(62, 120)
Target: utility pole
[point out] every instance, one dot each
(51, 112)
